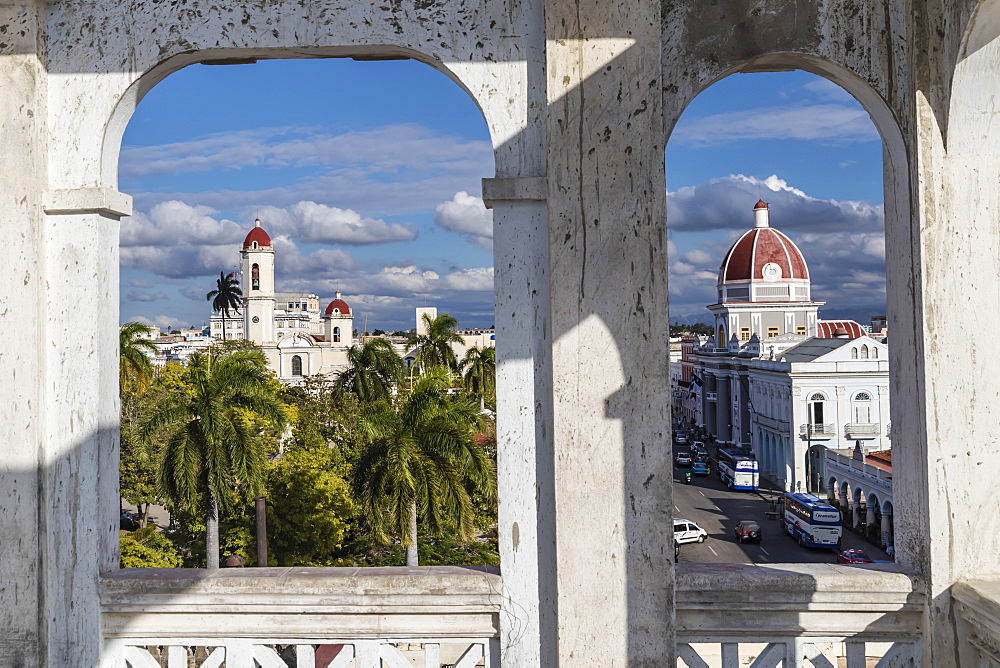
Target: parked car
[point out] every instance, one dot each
(852, 556)
(686, 531)
(748, 531)
(683, 459)
(700, 468)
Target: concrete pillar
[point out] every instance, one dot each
(869, 514)
(886, 528)
(22, 423)
(723, 411)
(612, 600)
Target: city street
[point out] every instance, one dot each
(709, 504)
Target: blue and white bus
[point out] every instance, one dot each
(737, 470)
(811, 521)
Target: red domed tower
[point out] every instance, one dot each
(257, 257)
(763, 287)
(338, 323)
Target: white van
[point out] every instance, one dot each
(686, 531)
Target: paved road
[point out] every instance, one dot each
(716, 509)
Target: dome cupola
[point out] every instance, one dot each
(257, 238)
(338, 307)
(763, 265)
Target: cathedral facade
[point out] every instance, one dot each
(297, 338)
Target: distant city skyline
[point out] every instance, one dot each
(367, 176)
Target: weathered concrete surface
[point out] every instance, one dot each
(22, 413)
(611, 602)
(316, 603)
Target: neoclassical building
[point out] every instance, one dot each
(296, 337)
(779, 381)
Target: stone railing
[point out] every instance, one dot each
(278, 617)
(862, 430)
(817, 430)
(797, 615)
(978, 611)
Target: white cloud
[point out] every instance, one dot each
(142, 296)
(832, 123)
(388, 170)
(163, 322)
(467, 216)
(175, 223)
(318, 223)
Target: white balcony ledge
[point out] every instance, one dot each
(319, 603)
(746, 602)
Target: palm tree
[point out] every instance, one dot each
(134, 364)
(434, 347)
(211, 453)
(226, 295)
(372, 370)
(420, 461)
(480, 371)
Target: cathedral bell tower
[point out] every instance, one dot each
(257, 257)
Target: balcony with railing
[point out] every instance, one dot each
(817, 432)
(862, 430)
(278, 617)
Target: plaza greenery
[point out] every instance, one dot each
(368, 471)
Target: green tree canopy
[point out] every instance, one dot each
(226, 296)
(479, 372)
(373, 368)
(212, 454)
(434, 347)
(134, 368)
(420, 460)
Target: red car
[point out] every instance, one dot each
(852, 557)
(748, 530)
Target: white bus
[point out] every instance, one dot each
(738, 470)
(811, 521)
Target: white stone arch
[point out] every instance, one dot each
(832, 489)
(969, 130)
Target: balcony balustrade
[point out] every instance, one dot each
(303, 617)
(817, 431)
(862, 430)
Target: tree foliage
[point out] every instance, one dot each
(212, 456)
(434, 348)
(148, 548)
(420, 461)
(134, 368)
(226, 296)
(373, 370)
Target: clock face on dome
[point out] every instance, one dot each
(771, 272)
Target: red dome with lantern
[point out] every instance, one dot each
(338, 307)
(763, 254)
(257, 234)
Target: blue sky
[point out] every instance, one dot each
(367, 176)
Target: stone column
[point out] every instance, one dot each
(524, 457)
(724, 412)
(612, 600)
(23, 608)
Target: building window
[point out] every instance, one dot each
(816, 408)
(800, 330)
(722, 338)
(874, 353)
(864, 352)
(336, 334)
(296, 365)
(862, 408)
(744, 333)
(854, 353)
(772, 332)
(255, 276)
